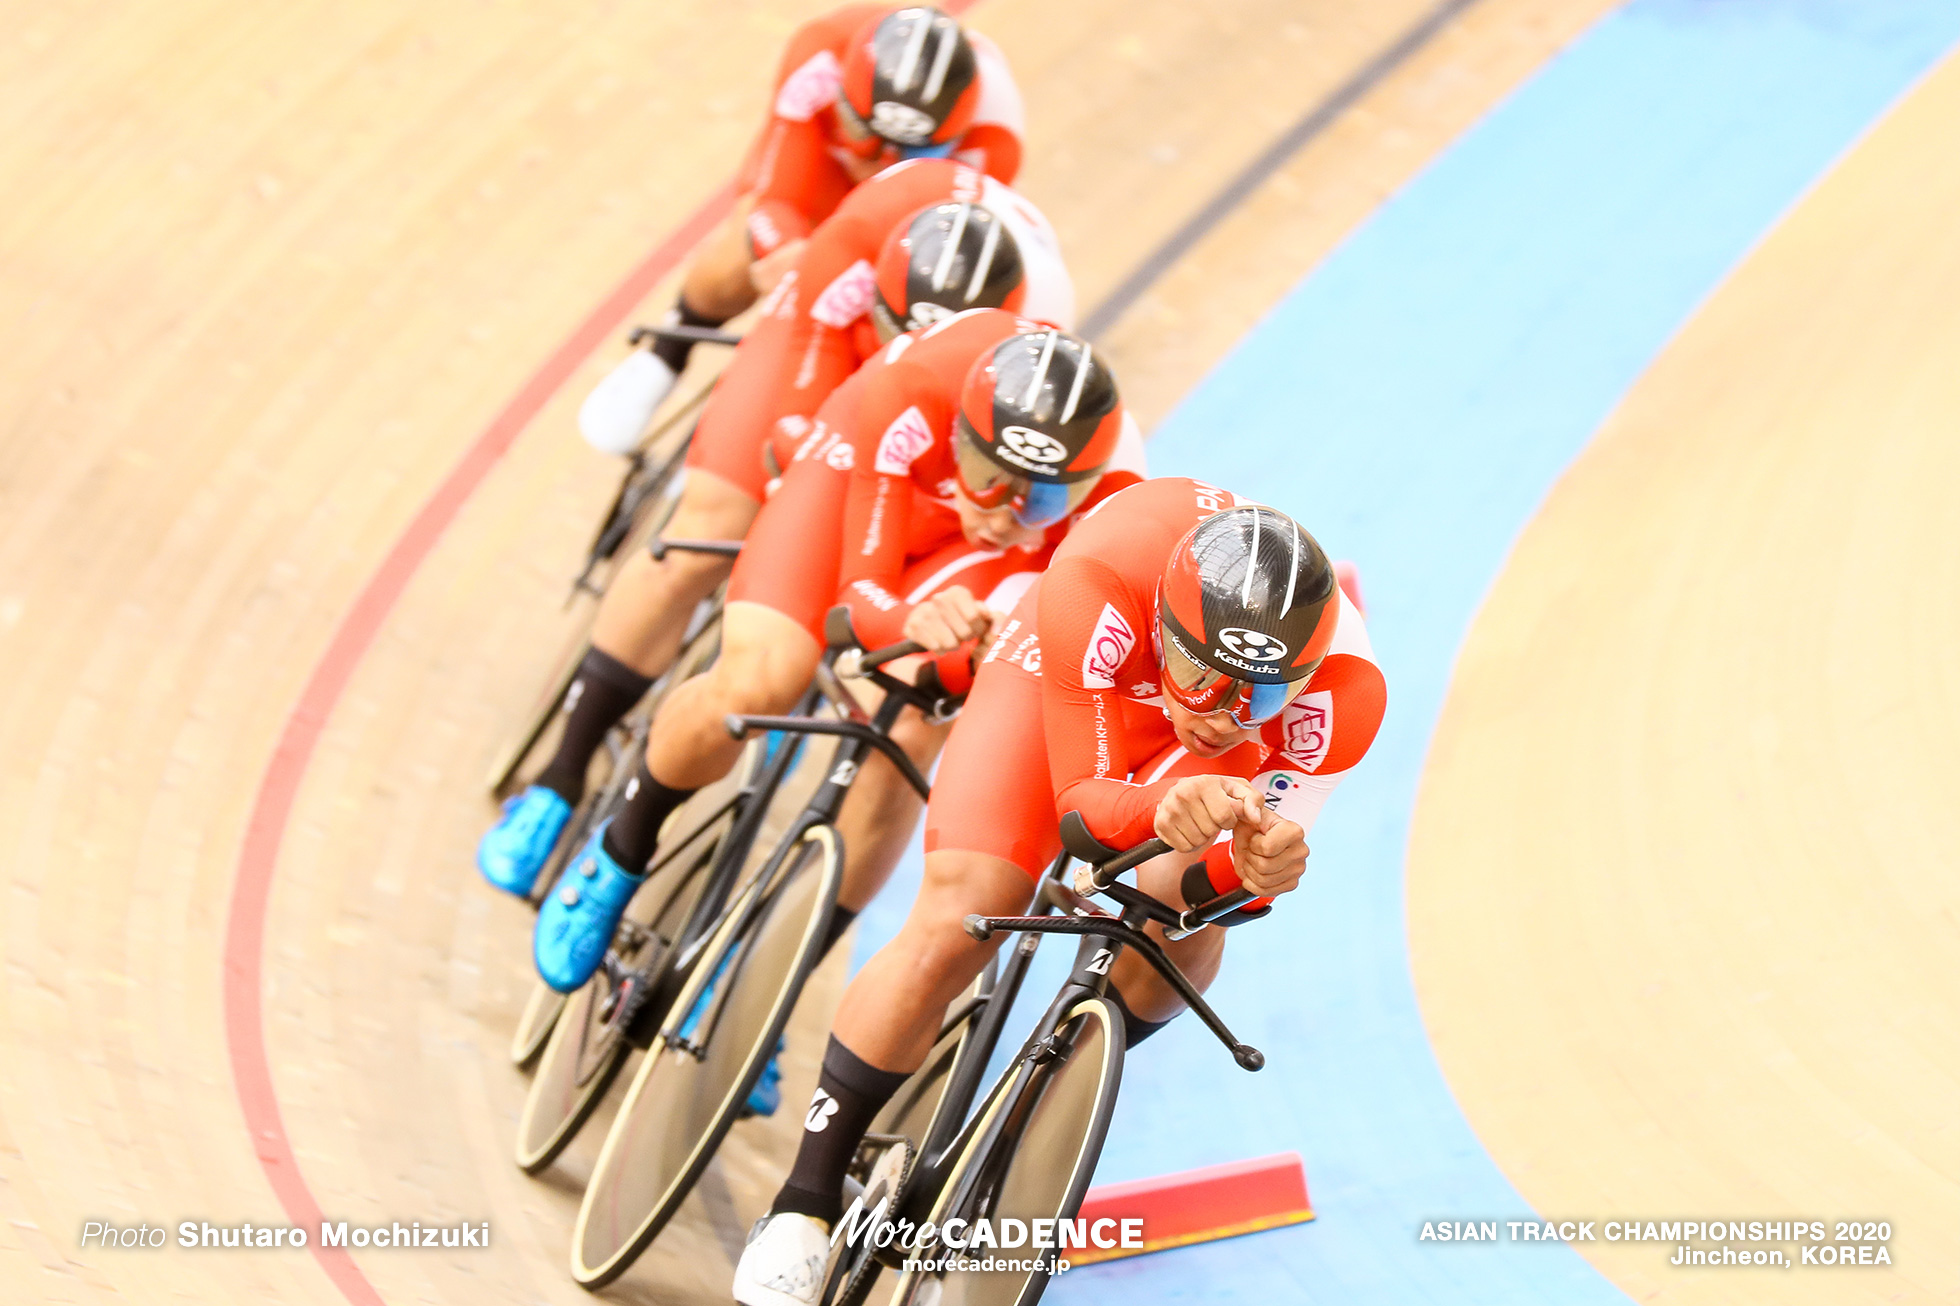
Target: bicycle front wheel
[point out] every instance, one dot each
(1029, 1156)
(691, 1086)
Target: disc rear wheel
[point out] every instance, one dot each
(691, 1086)
(1029, 1157)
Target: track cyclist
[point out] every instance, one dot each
(910, 247)
(858, 89)
(898, 477)
(968, 448)
(1187, 666)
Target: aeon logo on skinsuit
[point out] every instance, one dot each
(1030, 448)
(1109, 646)
(1252, 645)
(1308, 730)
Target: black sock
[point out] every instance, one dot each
(635, 831)
(1135, 1028)
(604, 690)
(849, 1093)
(674, 352)
(840, 920)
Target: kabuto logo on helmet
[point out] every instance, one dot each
(925, 313)
(1252, 645)
(1036, 450)
(901, 123)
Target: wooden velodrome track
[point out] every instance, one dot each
(268, 273)
(1682, 902)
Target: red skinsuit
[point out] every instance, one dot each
(866, 503)
(793, 172)
(1066, 713)
(815, 328)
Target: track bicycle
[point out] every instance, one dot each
(623, 745)
(728, 1021)
(1031, 1148)
(708, 848)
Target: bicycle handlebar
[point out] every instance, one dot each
(693, 335)
(853, 663)
(1106, 865)
(661, 546)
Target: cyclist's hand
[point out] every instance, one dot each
(948, 619)
(1269, 858)
(1195, 809)
(766, 271)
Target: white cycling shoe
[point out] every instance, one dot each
(617, 411)
(783, 1264)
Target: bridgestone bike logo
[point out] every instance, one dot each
(1037, 447)
(1252, 645)
(845, 772)
(822, 1107)
(1100, 966)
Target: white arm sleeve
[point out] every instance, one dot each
(1000, 96)
(1051, 292)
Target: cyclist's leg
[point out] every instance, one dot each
(990, 832)
(640, 623)
(879, 814)
(765, 664)
(644, 613)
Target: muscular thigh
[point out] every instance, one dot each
(992, 794)
(790, 559)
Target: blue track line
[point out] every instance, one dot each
(1412, 402)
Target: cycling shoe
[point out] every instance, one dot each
(767, 1094)
(577, 918)
(515, 849)
(616, 412)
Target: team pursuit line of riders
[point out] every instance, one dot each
(913, 524)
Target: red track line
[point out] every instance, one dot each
(266, 828)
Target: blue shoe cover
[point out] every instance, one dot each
(767, 1094)
(515, 849)
(577, 918)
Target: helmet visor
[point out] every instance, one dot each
(989, 485)
(1209, 691)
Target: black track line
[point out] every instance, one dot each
(1316, 120)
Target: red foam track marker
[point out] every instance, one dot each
(1194, 1206)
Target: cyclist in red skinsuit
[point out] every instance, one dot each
(816, 327)
(933, 263)
(805, 160)
(867, 511)
(1033, 421)
(858, 90)
(1070, 713)
(881, 439)
(1088, 630)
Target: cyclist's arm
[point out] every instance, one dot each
(789, 173)
(1313, 744)
(992, 143)
(893, 428)
(1083, 606)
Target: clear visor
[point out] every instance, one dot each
(1208, 691)
(989, 485)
